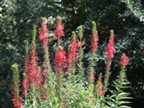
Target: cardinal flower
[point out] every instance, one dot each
(39, 79)
(43, 33)
(32, 66)
(110, 46)
(124, 60)
(72, 52)
(60, 60)
(59, 28)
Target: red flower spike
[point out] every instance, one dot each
(72, 52)
(33, 66)
(34, 74)
(110, 46)
(59, 28)
(60, 60)
(43, 33)
(39, 79)
(124, 60)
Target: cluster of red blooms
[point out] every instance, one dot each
(72, 52)
(124, 60)
(110, 46)
(60, 60)
(35, 75)
(32, 73)
(60, 57)
(59, 28)
(43, 33)
(99, 87)
(43, 37)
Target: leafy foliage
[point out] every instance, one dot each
(120, 98)
(61, 88)
(124, 16)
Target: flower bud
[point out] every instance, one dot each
(44, 19)
(14, 68)
(80, 29)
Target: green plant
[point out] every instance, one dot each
(44, 87)
(119, 97)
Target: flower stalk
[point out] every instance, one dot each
(17, 100)
(110, 55)
(44, 37)
(25, 82)
(94, 46)
(72, 54)
(59, 32)
(81, 70)
(60, 63)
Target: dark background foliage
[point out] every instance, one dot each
(19, 16)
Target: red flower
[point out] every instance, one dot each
(72, 53)
(60, 60)
(39, 79)
(33, 74)
(94, 42)
(43, 33)
(110, 47)
(59, 28)
(33, 66)
(124, 60)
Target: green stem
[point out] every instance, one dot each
(91, 67)
(107, 75)
(34, 97)
(81, 63)
(59, 89)
(59, 41)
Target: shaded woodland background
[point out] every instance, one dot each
(126, 17)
